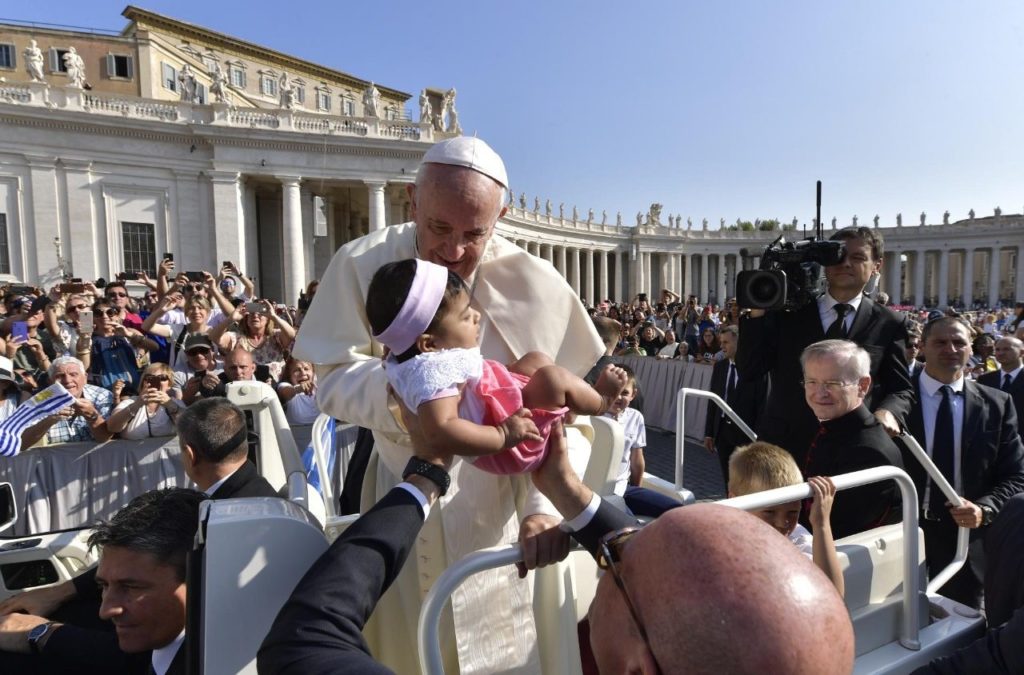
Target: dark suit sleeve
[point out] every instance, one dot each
(1008, 468)
(713, 411)
(607, 519)
(86, 586)
(1000, 651)
(77, 650)
(896, 387)
(319, 629)
(758, 345)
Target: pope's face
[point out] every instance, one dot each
(455, 210)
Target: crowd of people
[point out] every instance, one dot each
(448, 367)
(133, 359)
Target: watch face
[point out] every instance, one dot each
(38, 632)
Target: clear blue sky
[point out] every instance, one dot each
(713, 109)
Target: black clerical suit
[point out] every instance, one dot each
(991, 471)
(319, 629)
(773, 344)
(1016, 390)
(849, 443)
(746, 396)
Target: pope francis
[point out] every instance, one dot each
(459, 194)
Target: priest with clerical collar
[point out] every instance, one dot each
(836, 380)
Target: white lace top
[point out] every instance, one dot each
(433, 375)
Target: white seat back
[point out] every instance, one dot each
(606, 447)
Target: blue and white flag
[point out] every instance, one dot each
(47, 402)
(309, 464)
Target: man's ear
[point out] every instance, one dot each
(188, 456)
(864, 386)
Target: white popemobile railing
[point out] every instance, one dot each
(963, 536)
(428, 629)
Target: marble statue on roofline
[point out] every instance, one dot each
(654, 215)
(970, 214)
(590, 215)
(876, 219)
(997, 211)
(371, 101)
(34, 62)
(522, 200)
(536, 204)
(426, 109)
(689, 223)
(795, 222)
(452, 114)
(899, 220)
(547, 207)
(604, 217)
(218, 84)
(75, 67)
(188, 89)
(618, 218)
(575, 214)
(639, 218)
(945, 218)
(833, 222)
(286, 92)
(924, 217)
(855, 220)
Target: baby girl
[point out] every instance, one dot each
(467, 404)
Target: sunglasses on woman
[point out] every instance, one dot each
(109, 311)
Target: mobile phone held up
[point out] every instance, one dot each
(255, 308)
(19, 331)
(85, 321)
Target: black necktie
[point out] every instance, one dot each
(942, 448)
(1007, 380)
(730, 386)
(837, 331)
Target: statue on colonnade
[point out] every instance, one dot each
(426, 109)
(188, 90)
(371, 101)
(34, 62)
(75, 68)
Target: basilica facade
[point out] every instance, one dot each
(166, 137)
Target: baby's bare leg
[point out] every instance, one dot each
(530, 363)
(555, 387)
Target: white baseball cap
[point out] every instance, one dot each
(470, 152)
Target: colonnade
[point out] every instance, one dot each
(963, 276)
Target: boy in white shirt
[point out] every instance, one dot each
(762, 466)
(641, 501)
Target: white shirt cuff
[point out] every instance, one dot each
(415, 492)
(584, 517)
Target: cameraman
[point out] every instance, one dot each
(772, 343)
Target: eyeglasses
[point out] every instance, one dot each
(109, 311)
(831, 386)
(114, 294)
(609, 556)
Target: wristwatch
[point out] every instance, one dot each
(988, 514)
(37, 634)
(431, 472)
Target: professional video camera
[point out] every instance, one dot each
(791, 273)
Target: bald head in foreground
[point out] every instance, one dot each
(716, 589)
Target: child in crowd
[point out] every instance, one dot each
(420, 311)
(297, 391)
(641, 501)
(762, 466)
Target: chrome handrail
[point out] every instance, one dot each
(681, 423)
(911, 615)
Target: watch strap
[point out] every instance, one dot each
(431, 472)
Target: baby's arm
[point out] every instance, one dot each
(824, 546)
(446, 431)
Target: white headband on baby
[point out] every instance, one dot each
(419, 308)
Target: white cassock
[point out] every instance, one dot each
(525, 305)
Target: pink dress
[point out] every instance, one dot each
(491, 395)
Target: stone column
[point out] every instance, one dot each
(891, 276)
(993, 277)
(377, 215)
(42, 225)
(294, 275)
(79, 247)
(561, 266)
(943, 295)
(575, 278)
(704, 289)
(228, 225)
(621, 280)
(968, 278)
(919, 278)
(636, 268)
(602, 287)
(547, 253)
(687, 260)
(1019, 290)
(720, 281)
(589, 283)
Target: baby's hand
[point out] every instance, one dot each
(611, 381)
(824, 492)
(518, 427)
